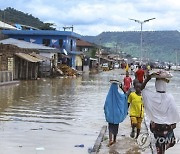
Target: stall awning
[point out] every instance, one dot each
(38, 56)
(28, 57)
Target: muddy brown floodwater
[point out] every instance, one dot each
(50, 116)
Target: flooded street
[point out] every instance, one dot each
(50, 116)
(53, 115)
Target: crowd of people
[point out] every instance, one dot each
(159, 106)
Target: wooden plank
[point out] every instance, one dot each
(99, 140)
(26, 70)
(21, 66)
(36, 71)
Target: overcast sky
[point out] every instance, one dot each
(91, 17)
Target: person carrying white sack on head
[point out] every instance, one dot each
(161, 109)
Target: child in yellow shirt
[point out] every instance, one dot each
(136, 110)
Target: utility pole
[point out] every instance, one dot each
(141, 23)
(176, 50)
(4, 18)
(99, 54)
(116, 46)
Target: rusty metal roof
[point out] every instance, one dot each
(39, 56)
(28, 57)
(84, 43)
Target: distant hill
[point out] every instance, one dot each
(12, 16)
(157, 45)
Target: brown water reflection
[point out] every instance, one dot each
(50, 116)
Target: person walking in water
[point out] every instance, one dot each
(127, 82)
(136, 110)
(139, 74)
(115, 109)
(161, 109)
(127, 67)
(132, 89)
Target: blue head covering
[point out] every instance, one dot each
(115, 107)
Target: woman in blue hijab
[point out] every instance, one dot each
(115, 109)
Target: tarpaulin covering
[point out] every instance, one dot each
(116, 106)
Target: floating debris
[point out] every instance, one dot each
(90, 150)
(67, 70)
(79, 145)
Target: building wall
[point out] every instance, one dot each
(69, 43)
(46, 66)
(6, 76)
(8, 61)
(78, 62)
(6, 51)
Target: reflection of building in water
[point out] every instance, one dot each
(7, 96)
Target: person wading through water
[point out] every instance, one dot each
(161, 109)
(139, 74)
(136, 110)
(115, 109)
(132, 89)
(127, 82)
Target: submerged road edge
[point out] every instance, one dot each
(9, 83)
(99, 139)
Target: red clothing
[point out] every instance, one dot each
(140, 75)
(127, 83)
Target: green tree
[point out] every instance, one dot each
(93, 53)
(47, 26)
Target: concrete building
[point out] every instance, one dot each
(65, 41)
(24, 60)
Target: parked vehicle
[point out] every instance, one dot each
(105, 67)
(116, 65)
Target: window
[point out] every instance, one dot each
(21, 39)
(60, 43)
(46, 42)
(10, 64)
(71, 45)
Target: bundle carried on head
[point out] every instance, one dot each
(163, 75)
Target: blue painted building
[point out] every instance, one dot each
(58, 39)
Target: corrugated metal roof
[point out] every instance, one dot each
(3, 25)
(84, 43)
(41, 32)
(39, 56)
(26, 45)
(28, 57)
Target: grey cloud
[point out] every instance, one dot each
(101, 15)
